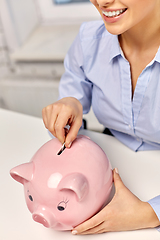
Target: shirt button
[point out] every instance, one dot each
(130, 127)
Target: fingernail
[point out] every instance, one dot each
(116, 170)
(69, 145)
(74, 232)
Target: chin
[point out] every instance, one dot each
(115, 30)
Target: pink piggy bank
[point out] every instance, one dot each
(63, 190)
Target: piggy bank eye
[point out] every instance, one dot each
(31, 198)
(62, 206)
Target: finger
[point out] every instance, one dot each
(94, 230)
(59, 127)
(52, 118)
(73, 131)
(49, 118)
(117, 180)
(44, 117)
(50, 115)
(89, 224)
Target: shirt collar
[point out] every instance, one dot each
(115, 49)
(157, 57)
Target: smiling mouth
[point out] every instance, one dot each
(111, 14)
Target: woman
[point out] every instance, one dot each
(114, 65)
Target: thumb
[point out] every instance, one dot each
(117, 180)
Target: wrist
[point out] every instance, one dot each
(151, 219)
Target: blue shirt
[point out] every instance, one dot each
(97, 74)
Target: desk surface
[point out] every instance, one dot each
(20, 138)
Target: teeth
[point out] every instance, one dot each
(113, 13)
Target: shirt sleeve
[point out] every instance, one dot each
(155, 204)
(74, 83)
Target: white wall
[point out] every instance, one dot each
(79, 12)
(29, 86)
(19, 19)
(4, 58)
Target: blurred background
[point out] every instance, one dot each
(34, 38)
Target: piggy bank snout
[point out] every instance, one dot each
(44, 216)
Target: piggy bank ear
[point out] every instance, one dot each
(23, 172)
(76, 182)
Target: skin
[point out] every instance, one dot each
(138, 30)
(66, 111)
(125, 212)
(139, 36)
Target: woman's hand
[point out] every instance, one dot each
(124, 212)
(66, 111)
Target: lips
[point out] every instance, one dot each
(114, 13)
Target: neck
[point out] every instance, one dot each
(144, 35)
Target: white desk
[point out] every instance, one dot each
(20, 138)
